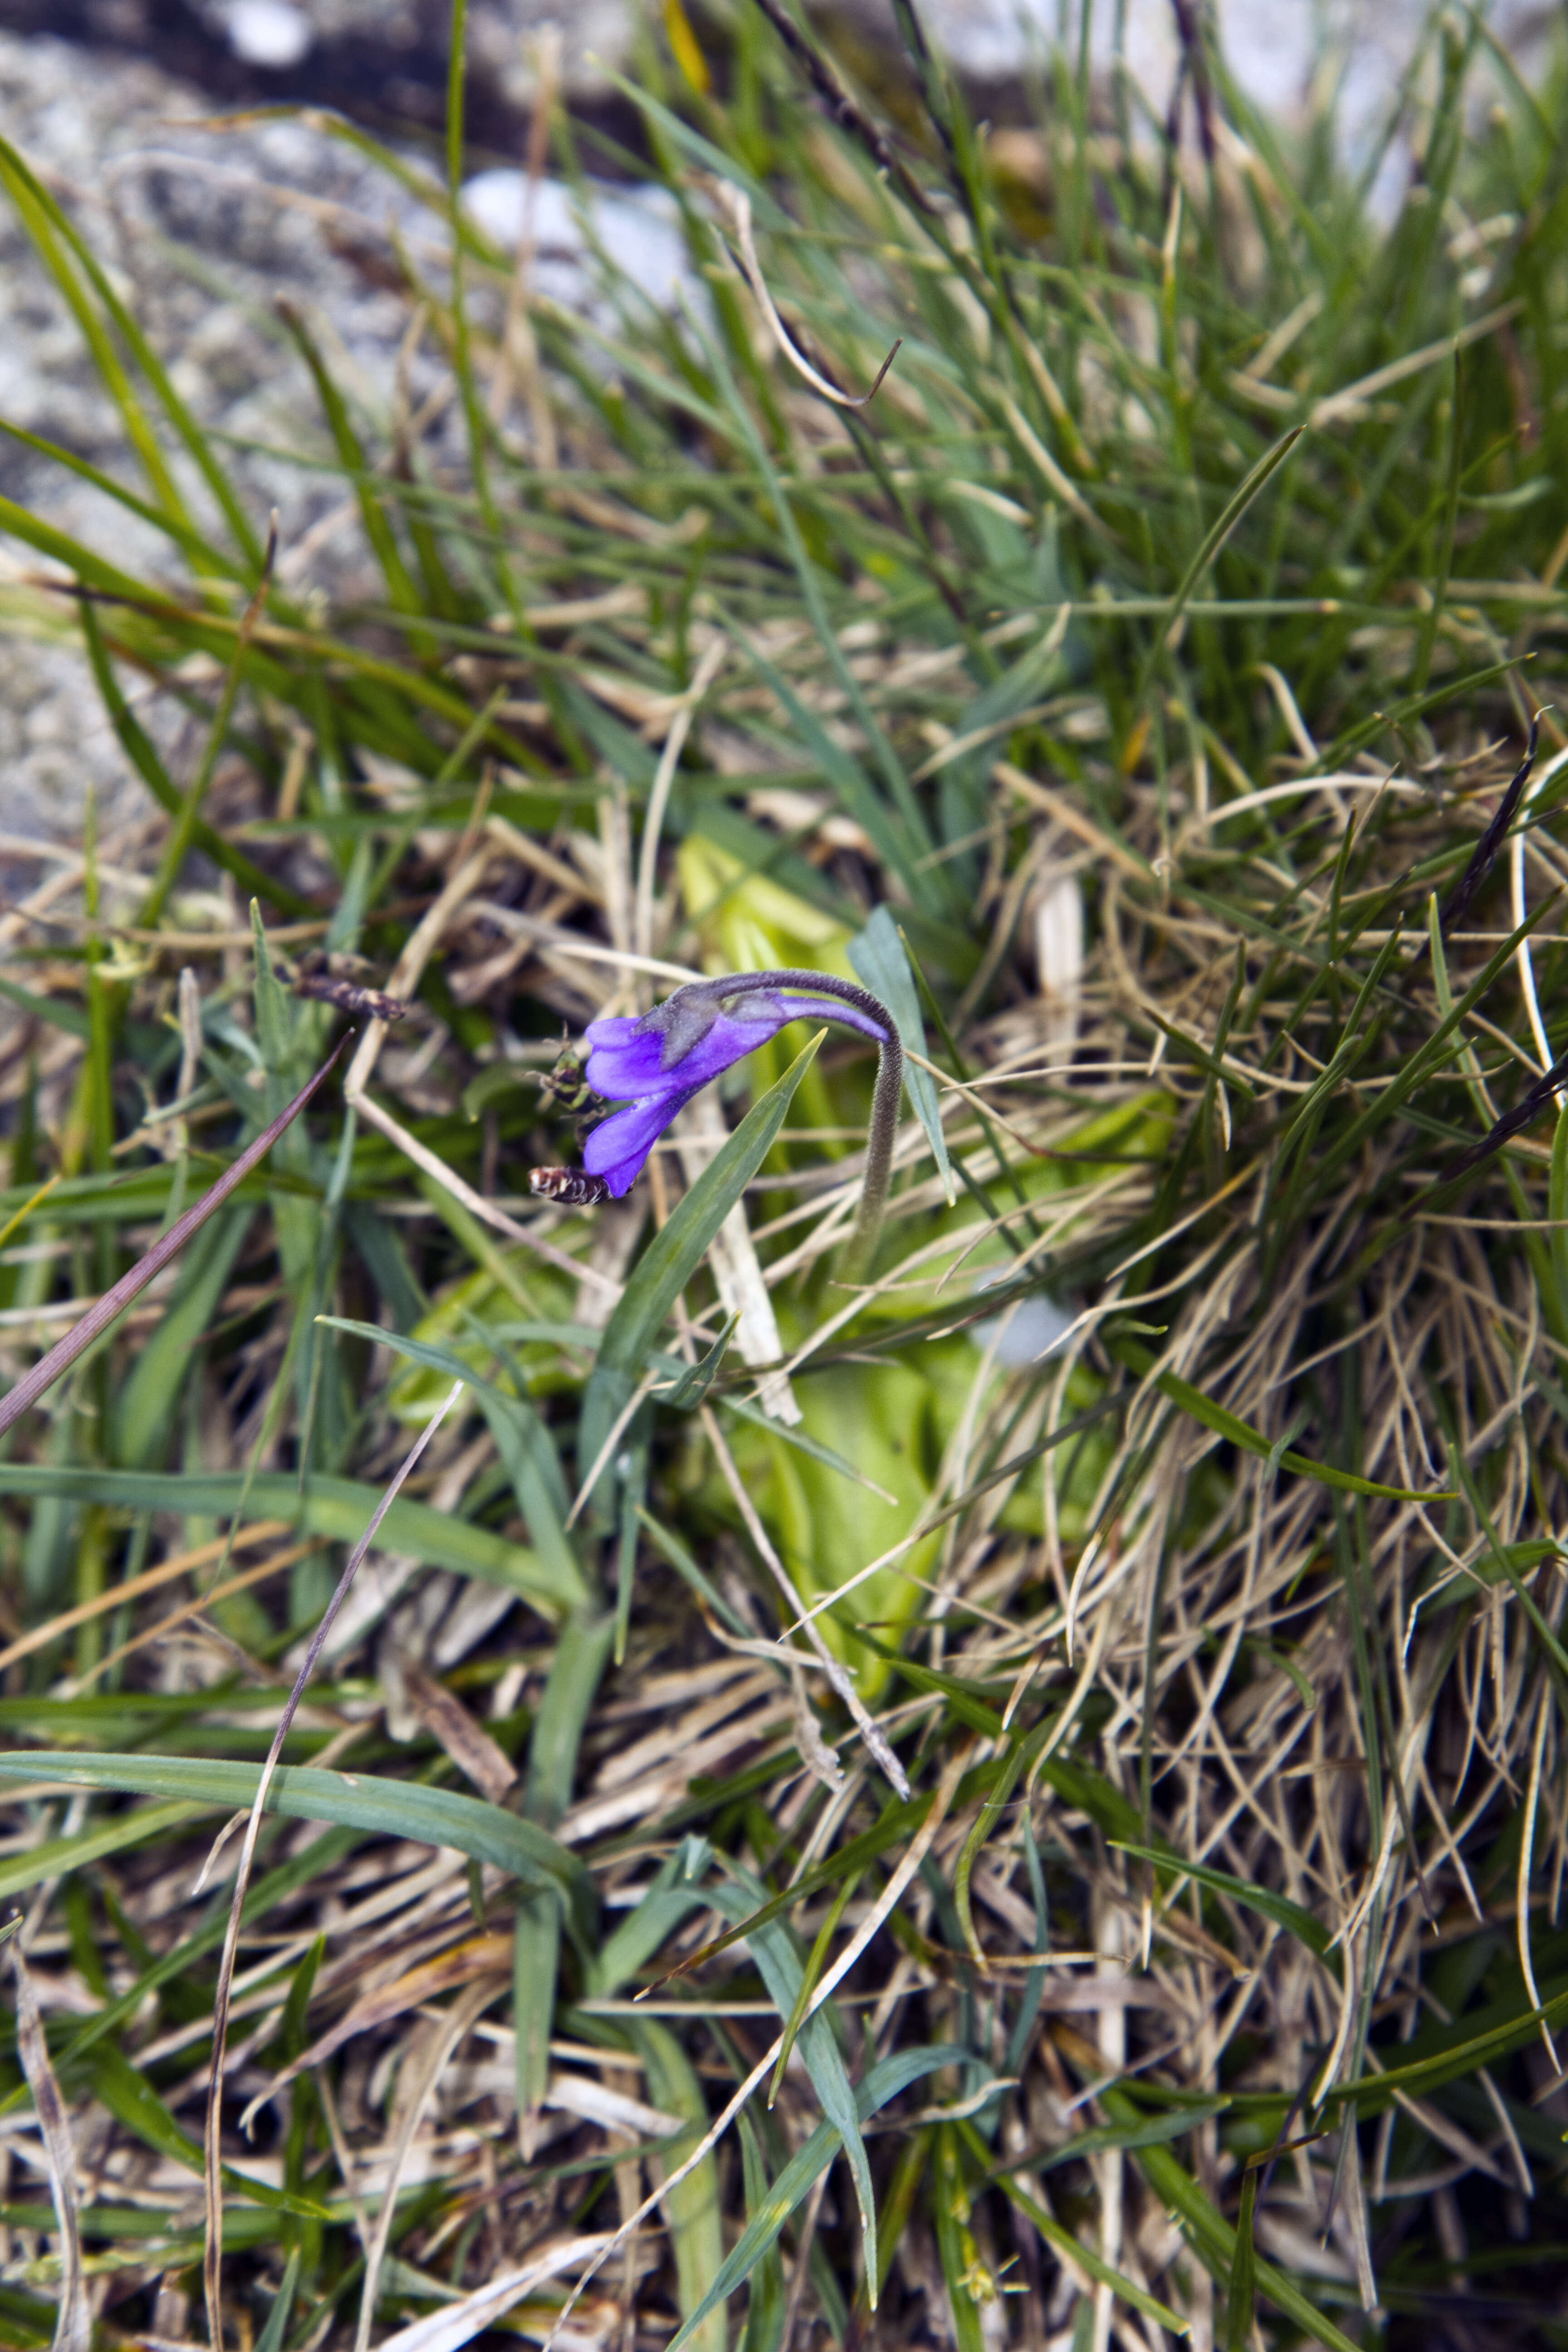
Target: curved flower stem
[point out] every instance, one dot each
(884, 1124)
(880, 1141)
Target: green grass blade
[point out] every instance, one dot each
(693, 2206)
(1105, 2273)
(1291, 1917)
(360, 1800)
(1214, 539)
(675, 1892)
(672, 1258)
(138, 748)
(523, 1442)
(1230, 1426)
(132, 2101)
(963, 2272)
(99, 1318)
(884, 2081)
(536, 1962)
(1240, 2287)
(1213, 2238)
(55, 1856)
(775, 1951)
(273, 2333)
(335, 1507)
(878, 955)
(39, 207)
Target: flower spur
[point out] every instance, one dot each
(652, 1064)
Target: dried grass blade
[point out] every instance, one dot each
(865, 1934)
(212, 2266)
(739, 206)
(413, 2099)
(76, 1341)
(445, 2331)
(180, 1564)
(73, 2327)
(478, 1956)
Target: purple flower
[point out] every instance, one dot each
(655, 1064)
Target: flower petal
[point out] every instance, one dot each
(618, 1148)
(623, 1061)
(824, 1008)
(655, 1063)
(630, 1066)
(688, 1041)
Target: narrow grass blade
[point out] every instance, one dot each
(582, 1651)
(1214, 539)
(380, 1807)
(1104, 2273)
(675, 1892)
(1021, 1756)
(47, 222)
(672, 1258)
(1238, 1433)
(1121, 2138)
(900, 1822)
(536, 1961)
(1453, 2053)
(883, 2082)
(146, 1409)
(60, 1358)
(137, 745)
(691, 1384)
(775, 1949)
(1213, 2238)
(1285, 1914)
(878, 955)
(212, 2262)
(523, 1442)
(401, 592)
(271, 2338)
(765, 2304)
(815, 1961)
(963, 2273)
(1426, 636)
(335, 1508)
(691, 2207)
(1240, 2287)
(73, 2331)
(55, 1856)
(131, 2098)
(183, 831)
(1491, 841)
(52, 1009)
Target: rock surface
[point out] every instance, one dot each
(202, 230)
(204, 227)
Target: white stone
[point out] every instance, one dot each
(1027, 1332)
(638, 228)
(269, 32)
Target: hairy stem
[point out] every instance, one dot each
(884, 1123)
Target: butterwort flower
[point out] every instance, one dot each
(653, 1063)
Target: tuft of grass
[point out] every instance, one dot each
(1017, 1800)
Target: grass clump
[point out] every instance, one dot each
(1065, 1732)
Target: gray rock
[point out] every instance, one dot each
(200, 231)
(203, 228)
